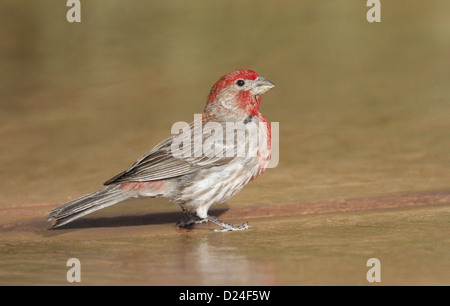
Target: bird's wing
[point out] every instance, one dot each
(160, 162)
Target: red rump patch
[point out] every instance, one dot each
(153, 185)
(229, 78)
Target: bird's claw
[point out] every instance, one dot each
(192, 221)
(232, 227)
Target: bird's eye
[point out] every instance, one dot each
(240, 83)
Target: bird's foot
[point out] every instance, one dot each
(190, 221)
(227, 227)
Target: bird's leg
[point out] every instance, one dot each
(190, 220)
(227, 227)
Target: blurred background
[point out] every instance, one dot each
(363, 108)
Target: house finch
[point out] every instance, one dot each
(194, 180)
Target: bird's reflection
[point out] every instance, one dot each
(188, 260)
(221, 264)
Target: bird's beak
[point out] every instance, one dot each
(261, 85)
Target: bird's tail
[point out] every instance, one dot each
(87, 204)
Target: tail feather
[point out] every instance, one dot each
(87, 204)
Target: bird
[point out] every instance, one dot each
(194, 177)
